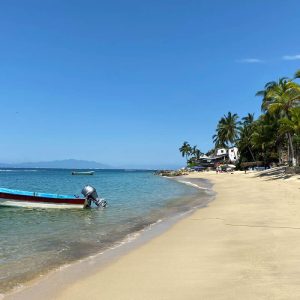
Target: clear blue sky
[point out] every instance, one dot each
(126, 82)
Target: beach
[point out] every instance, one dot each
(244, 245)
(36, 242)
(128, 171)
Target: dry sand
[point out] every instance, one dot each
(244, 245)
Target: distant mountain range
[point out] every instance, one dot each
(59, 164)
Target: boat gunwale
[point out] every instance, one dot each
(24, 196)
(38, 194)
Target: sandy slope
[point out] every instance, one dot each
(244, 245)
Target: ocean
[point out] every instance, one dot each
(35, 241)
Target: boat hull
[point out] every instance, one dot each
(83, 173)
(17, 198)
(28, 204)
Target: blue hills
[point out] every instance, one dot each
(59, 164)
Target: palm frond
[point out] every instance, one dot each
(297, 74)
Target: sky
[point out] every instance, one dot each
(125, 83)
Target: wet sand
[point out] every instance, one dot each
(243, 245)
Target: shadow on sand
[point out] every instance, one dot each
(276, 173)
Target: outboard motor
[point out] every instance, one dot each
(91, 195)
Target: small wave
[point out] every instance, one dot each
(134, 235)
(193, 184)
(127, 239)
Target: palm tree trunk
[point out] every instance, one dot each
(279, 154)
(251, 153)
(292, 152)
(288, 150)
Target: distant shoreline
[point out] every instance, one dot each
(58, 164)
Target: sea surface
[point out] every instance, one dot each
(35, 241)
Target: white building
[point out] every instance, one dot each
(231, 153)
(221, 151)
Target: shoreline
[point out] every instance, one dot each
(244, 245)
(67, 274)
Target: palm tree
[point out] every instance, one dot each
(248, 120)
(245, 135)
(279, 98)
(291, 125)
(195, 153)
(227, 131)
(185, 150)
(198, 153)
(264, 137)
(193, 150)
(218, 139)
(297, 74)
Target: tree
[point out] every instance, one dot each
(218, 139)
(278, 99)
(264, 138)
(193, 150)
(248, 120)
(245, 134)
(292, 125)
(196, 152)
(227, 131)
(185, 150)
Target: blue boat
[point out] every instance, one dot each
(10, 197)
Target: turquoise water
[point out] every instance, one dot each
(34, 241)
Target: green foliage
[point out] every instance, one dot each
(264, 138)
(291, 124)
(244, 142)
(191, 153)
(185, 150)
(277, 128)
(227, 131)
(279, 100)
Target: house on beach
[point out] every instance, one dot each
(221, 156)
